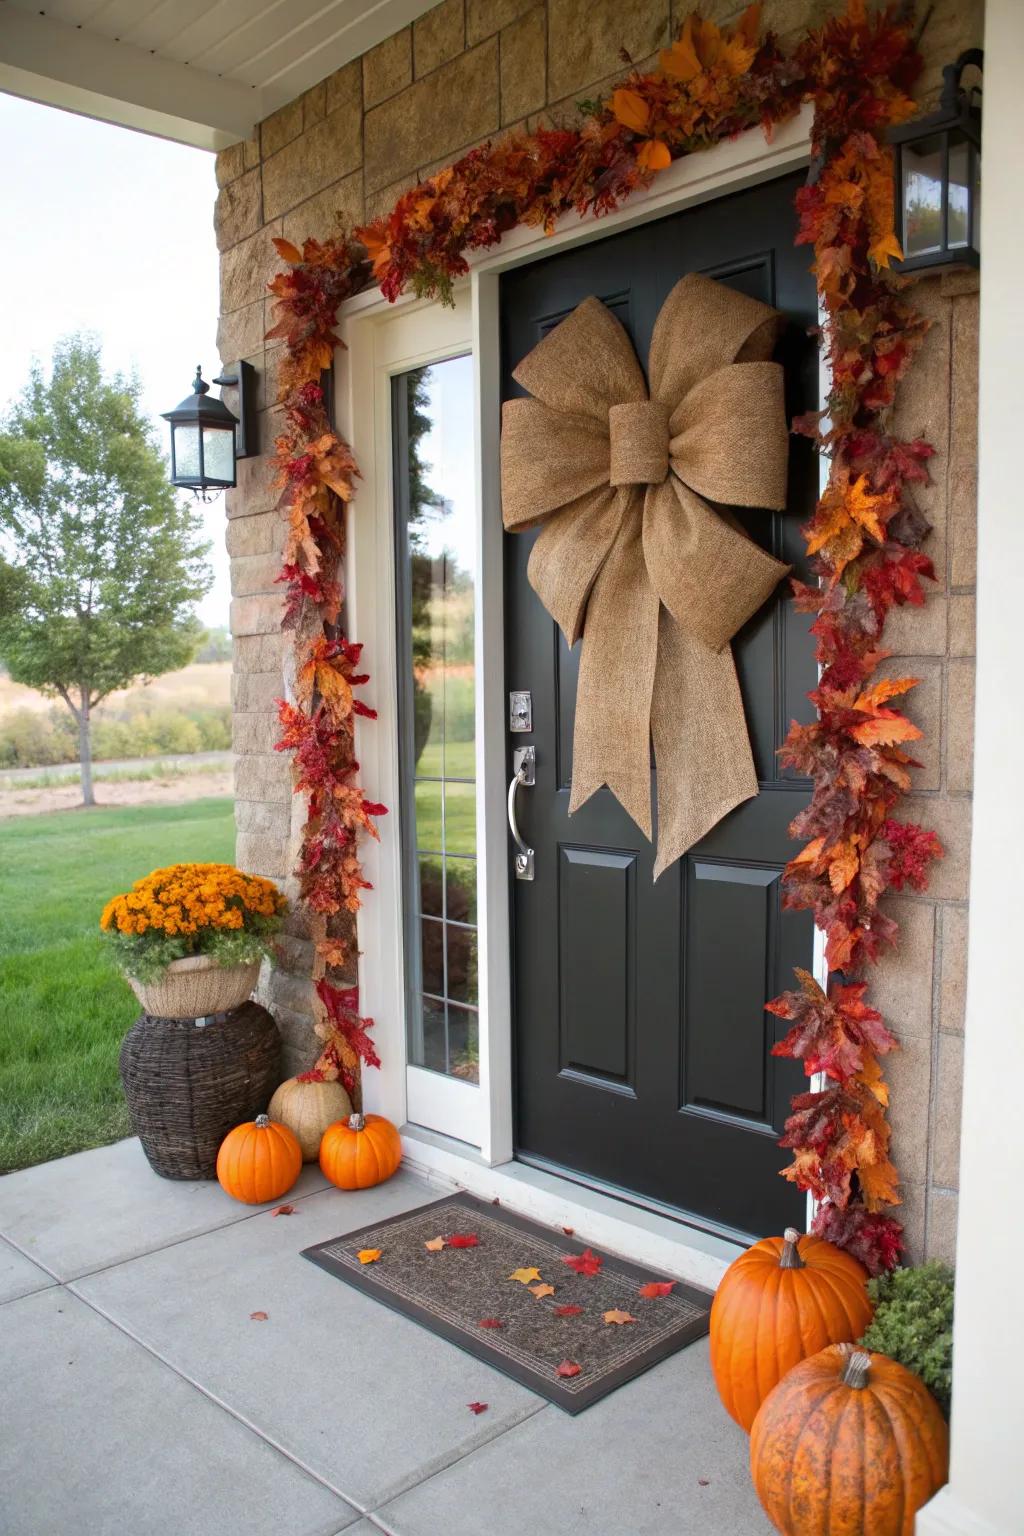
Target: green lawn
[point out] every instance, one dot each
(63, 1007)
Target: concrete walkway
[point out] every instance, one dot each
(138, 1397)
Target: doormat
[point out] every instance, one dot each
(570, 1323)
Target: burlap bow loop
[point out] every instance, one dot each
(631, 551)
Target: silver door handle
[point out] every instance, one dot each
(524, 760)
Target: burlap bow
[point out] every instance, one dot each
(630, 548)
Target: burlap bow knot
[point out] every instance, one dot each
(633, 558)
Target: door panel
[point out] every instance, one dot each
(643, 1052)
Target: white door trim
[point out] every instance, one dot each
(380, 344)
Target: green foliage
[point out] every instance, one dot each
(100, 564)
(215, 645)
(913, 1323)
(40, 739)
(146, 956)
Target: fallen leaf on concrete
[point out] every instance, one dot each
(283, 1210)
(704, 1482)
(569, 1231)
(477, 1407)
(368, 1255)
(258, 1317)
(568, 1368)
(657, 1288)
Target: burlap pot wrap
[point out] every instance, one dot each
(196, 987)
(632, 558)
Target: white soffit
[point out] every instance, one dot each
(201, 71)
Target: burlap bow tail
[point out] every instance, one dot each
(632, 557)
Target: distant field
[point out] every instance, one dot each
(63, 1006)
(201, 683)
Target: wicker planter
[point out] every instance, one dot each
(188, 1081)
(196, 987)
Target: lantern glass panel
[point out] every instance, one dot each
(186, 450)
(959, 215)
(219, 453)
(921, 168)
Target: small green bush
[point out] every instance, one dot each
(913, 1323)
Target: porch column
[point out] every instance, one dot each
(985, 1494)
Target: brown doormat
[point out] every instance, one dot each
(465, 1293)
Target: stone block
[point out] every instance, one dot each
(254, 573)
(950, 818)
(295, 955)
(256, 692)
(908, 1072)
(262, 533)
(912, 1216)
(923, 708)
(962, 623)
(280, 128)
(246, 269)
(387, 68)
(585, 38)
(266, 817)
(946, 1119)
(438, 36)
(922, 410)
(240, 334)
(256, 490)
(455, 105)
(380, 203)
(913, 631)
(329, 151)
(963, 462)
(259, 653)
(335, 210)
(953, 978)
(255, 733)
(252, 151)
(960, 727)
(292, 991)
(259, 615)
(267, 776)
(943, 1206)
(229, 163)
(483, 17)
(344, 89)
(261, 853)
(901, 987)
(314, 105)
(523, 47)
(237, 212)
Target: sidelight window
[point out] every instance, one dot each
(435, 544)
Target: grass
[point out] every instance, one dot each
(47, 778)
(64, 1009)
(460, 800)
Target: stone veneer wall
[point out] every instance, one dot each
(342, 153)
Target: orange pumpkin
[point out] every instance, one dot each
(258, 1161)
(848, 1444)
(782, 1300)
(361, 1151)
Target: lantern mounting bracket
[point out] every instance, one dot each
(243, 378)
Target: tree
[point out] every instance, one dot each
(100, 563)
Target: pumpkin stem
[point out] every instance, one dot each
(855, 1371)
(790, 1258)
(356, 1123)
(262, 1121)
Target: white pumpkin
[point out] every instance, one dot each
(307, 1107)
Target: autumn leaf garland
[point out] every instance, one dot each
(864, 539)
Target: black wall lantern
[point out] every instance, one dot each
(207, 438)
(938, 177)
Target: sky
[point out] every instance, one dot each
(110, 231)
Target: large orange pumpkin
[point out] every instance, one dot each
(258, 1161)
(848, 1444)
(361, 1151)
(782, 1300)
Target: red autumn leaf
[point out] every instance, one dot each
(463, 1240)
(283, 1210)
(568, 1368)
(477, 1407)
(655, 1288)
(569, 1231)
(831, 1033)
(258, 1317)
(567, 1311)
(490, 1322)
(585, 1263)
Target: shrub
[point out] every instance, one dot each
(913, 1323)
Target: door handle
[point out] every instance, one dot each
(524, 760)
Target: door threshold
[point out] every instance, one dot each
(644, 1236)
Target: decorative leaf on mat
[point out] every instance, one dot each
(585, 1263)
(525, 1276)
(490, 1322)
(435, 1245)
(463, 1240)
(567, 1311)
(618, 1316)
(477, 1407)
(283, 1210)
(368, 1255)
(258, 1317)
(657, 1288)
(568, 1368)
(540, 1291)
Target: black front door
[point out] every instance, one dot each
(642, 1046)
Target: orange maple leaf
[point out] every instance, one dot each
(369, 1255)
(616, 1315)
(630, 109)
(540, 1291)
(434, 1245)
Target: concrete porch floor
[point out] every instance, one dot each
(137, 1395)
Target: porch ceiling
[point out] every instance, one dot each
(200, 71)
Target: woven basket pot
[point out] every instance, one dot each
(188, 1081)
(196, 987)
